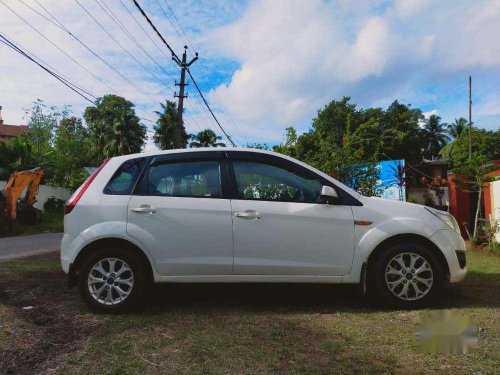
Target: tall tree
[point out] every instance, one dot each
(114, 127)
(288, 146)
(485, 147)
(206, 138)
(42, 121)
(434, 134)
(165, 127)
(72, 151)
(456, 128)
(454, 131)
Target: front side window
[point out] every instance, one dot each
(199, 179)
(260, 181)
(124, 178)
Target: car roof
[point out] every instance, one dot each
(198, 149)
(233, 149)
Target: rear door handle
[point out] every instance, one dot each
(144, 209)
(248, 214)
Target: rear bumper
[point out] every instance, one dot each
(70, 245)
(453, 247)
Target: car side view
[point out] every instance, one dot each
(247, 215)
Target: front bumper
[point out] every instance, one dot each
(452, 246)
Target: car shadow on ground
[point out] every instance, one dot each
(476, 291)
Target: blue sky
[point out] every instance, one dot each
(264, 65)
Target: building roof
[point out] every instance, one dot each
(12, 130)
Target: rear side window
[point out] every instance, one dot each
(200, 179)
(124, 179)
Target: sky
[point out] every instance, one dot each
(264, 65)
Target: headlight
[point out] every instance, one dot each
(446, 217)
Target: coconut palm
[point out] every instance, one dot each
(455, 130)
(457, 127)
(166, 126)
(434, 133)
(206, 138)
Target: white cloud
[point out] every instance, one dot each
(291, 57)
(295, 56)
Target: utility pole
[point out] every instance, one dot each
(470, 117)
(183, 65)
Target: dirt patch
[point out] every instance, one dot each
(49, 331)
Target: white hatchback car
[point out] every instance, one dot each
(247, 215)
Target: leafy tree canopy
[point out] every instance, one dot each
(165, 127)
(114, 127)
(206, 138)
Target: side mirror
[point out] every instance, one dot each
(329, 195)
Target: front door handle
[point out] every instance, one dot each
(144, 209)
(248, 214)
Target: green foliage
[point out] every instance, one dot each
(205, 138)
(290, 140)
(434, 134)
(165, 127)
(54, 204)
(42, 121)
(485, 147)
(259, 146)
(456, 128)
(114, 127)
(16, 155)
(72, 151)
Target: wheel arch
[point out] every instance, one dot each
(410, 237)
(103, 243)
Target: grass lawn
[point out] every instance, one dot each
(50, 222)
(234, 329)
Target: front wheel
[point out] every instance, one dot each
(112, 280)
(406, 275)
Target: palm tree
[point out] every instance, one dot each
(434, 133)
(165, 127)
(457, 128)
(206, 138)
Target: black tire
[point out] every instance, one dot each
(137, 292)
(378, 286)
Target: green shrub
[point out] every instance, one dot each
(54, 204)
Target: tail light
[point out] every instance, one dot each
(81, 190)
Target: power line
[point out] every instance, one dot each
(216, 96)
(117, 21)
(155, 29)
(142, 28)
(48, 40)
(61, 26)
(65, 82)
(65, 29)
(117, 42)
(208, 107)
(179, 62)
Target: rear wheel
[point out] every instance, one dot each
(406, 275)
(112, 280)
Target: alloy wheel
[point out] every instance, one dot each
(409, 276)
(110, 281)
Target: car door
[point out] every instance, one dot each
(181, 213)
(280, 224)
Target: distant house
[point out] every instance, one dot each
(9, 131)
(417, 190)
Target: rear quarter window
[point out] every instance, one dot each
(125, 177)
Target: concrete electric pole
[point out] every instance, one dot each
(183, 65)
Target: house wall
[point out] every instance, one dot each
(494, 191)
(459, 203)
(44, 193)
